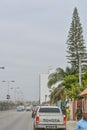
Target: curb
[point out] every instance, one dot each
(71, 122)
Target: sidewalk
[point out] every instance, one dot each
(70, 125)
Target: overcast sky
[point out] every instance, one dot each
(33, 34)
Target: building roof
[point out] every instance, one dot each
(84, 92)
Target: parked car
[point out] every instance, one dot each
(49, 117)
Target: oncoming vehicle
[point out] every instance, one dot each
(28, 108)
(20, 108)
(49, 117)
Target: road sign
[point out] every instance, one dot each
(8, 96)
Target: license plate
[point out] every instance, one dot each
(51, 126)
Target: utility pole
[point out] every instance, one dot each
(8, 83)
(80, 83)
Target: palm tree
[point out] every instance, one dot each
(58, 92)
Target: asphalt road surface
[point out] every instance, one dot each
(21, 121)
(16, 121)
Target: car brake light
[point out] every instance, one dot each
(64, 119)
(37, 119)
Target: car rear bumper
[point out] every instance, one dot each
(50, 126)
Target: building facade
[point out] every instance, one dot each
(43, 88)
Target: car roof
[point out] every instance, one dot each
(49, 107)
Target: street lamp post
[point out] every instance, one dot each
(8, 95)
(2, 67)
(15, 91)
(45, 98)
(21, 95)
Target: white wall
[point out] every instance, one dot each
(44, 88)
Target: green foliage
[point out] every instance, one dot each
(75, 44)
(58, 92)
(69, 87)
(76, 52)
(72, 87)
(52, 79)
(69, 80)
(5, 105)
(59, 75)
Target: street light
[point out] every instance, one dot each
(45, 98)
(16, 88)
(2, 67)
(8, 95)
(21, 95)
(15, 91)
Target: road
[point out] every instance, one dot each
(16, 121)
(20, 121)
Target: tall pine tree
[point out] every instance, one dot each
(76, 48)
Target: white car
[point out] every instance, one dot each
(49, 117)
(28, 108)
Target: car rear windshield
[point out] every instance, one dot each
(50, 110)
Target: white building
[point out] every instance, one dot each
(44, 91)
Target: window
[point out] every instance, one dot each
(49, 110)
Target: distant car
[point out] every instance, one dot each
(28, 108)
(20, 108)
